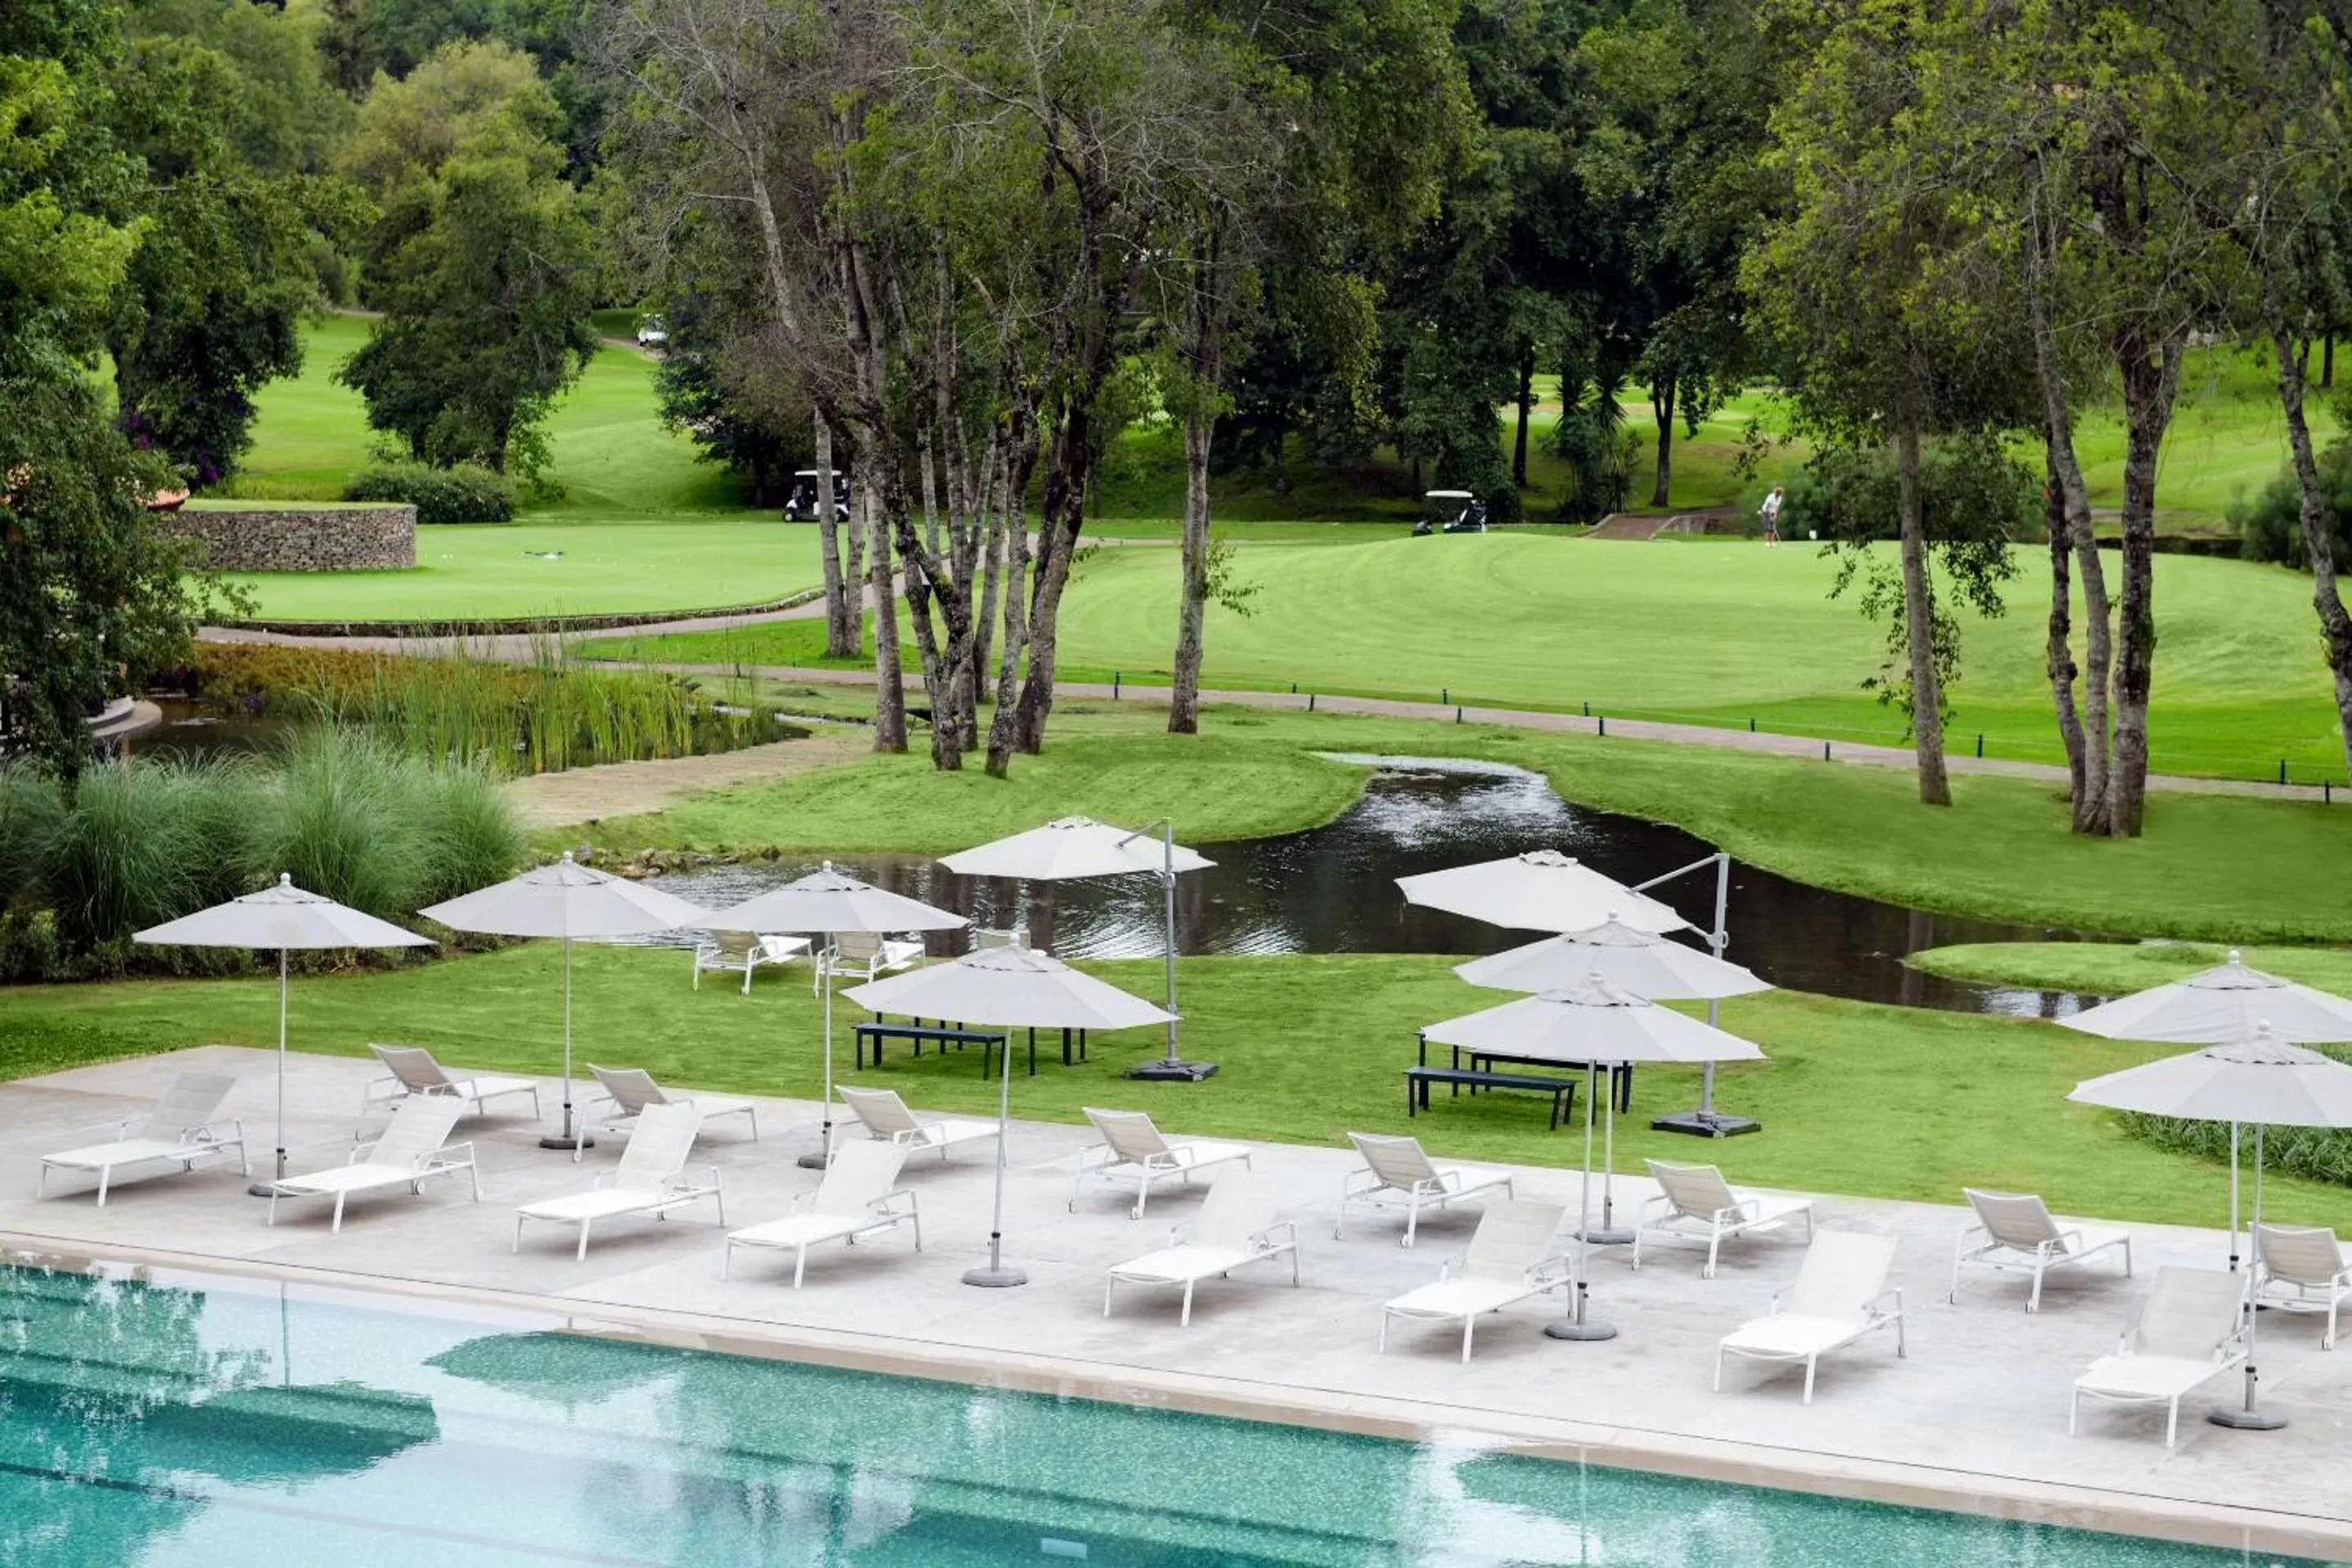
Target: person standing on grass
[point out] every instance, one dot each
(1770, 512)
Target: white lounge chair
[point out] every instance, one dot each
(413, 1146)
(180, 1131)
(410, 1069)
(1235, 1226)
(2015, 1233)
(1841, 1294)
(1398, 1175)
(729, 951)
(650, 1179)
(1132, 1150)
(2301, 1269)
(860, 1196)
(628, 1090)
(865, 956)
(885, 1115)
(1696, 1204)
(1511, 1258)
(2192, 1330)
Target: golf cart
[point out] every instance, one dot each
(1451, 511)
(800, 506)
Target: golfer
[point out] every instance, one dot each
(1770, 512)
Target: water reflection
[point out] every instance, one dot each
(1332, 889)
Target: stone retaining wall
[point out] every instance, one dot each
(298, 539)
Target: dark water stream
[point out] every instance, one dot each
(1331, 890)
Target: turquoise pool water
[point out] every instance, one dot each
(194, 1423)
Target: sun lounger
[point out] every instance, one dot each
(1695, 1204)
(2014, 1233)
(865, 956)
(651, 1178)
(2301, 1269)
(1132, 1150)
(860, 1196)
(1398, 1175)
(1235, 1226)
(2192, 1330)
(410, 1069)
(180, 1131)
(886, 1116)
(1841, 1294)
(1511, 1258)
(628, 1090)
(413, 1146)
(729, 951)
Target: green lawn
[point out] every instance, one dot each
(2216, 866)
(2108, 969)
(1707, 635)
(1878, 1101)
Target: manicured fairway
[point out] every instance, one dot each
(1878, 1101)
(488, 571)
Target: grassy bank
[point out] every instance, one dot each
(1877, 1101)
(2114, 971)
(1719, 635)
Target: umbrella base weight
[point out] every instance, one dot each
(2246, 1420)
(262, 1190)
(998, 1278)
(1608, 1236)
(1584, 1332)
(814, 1160)
(582, 1141)
(1706, 1124)
(1175, 1072)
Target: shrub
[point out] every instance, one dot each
(465, 493)
(2269, 528)
(31, 809)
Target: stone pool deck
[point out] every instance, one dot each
(1974, 1418)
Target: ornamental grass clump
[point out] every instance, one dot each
(2321, 1153)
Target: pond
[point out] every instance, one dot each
(1332, 889)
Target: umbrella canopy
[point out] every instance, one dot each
(830, 901)
(2229, 1002)
(1071, 847)
(1543, 889)
(1594, 1022)
(567, 900)
(1635, 961)
(2264, 1080)
(1008, 987)
(282, 916)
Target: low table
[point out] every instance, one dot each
(1417, 1081)
(943, 1035)
(1620, 1074)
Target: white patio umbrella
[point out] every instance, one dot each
(1543, 889)
(1650, 966)
(2222, 1005)
(826, 903)
(567, 901)
(1075, 848)
(1009, 987)
(2264, 1080)
(284, 917)
(1594, 1024)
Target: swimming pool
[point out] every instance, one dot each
(192, 1422)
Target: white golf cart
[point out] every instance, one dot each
(1451, 511)
(800, 506)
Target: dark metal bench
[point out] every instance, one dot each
(1620, 1074)
(1417, 1081)
(1074, 1041)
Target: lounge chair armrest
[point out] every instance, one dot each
(1452, 1266)
(1358, 1182)
(800, 1201)
(1263, 1239)
(908, 1137)
(210, 1132)
(684, 1181)
(1880, 1303)
(889, 1203)
(447, 1156)
(1557, 1270)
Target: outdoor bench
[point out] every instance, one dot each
(1417, 1081)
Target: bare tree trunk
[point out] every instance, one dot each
(889, 682)
(2151, 375)
(1919, 625)
(1662, 402)
(1004, 731)
(1527, 413)
(2059, 657)
(2328, 364)
(2335, 624)
(992, 575)
(844, 626)
(1184, 690)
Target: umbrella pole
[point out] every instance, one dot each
(824, 1156)
(2250, 1417)
(996, 1276)
(269, 1188)
(1707, 1122)
(1169, 1067)
(1609, 1235)
(1576, 1327)
(566, 1139)
(2233, 1197)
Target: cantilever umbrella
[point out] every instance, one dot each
(826, 903)
(1593, 1025)
(284, 917)
(2264, 1080)
(1543, 889)
(567, 901)
(1650, 966)
(1074, 847)
(1009, 988)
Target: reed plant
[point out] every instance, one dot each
(2324, 1154)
